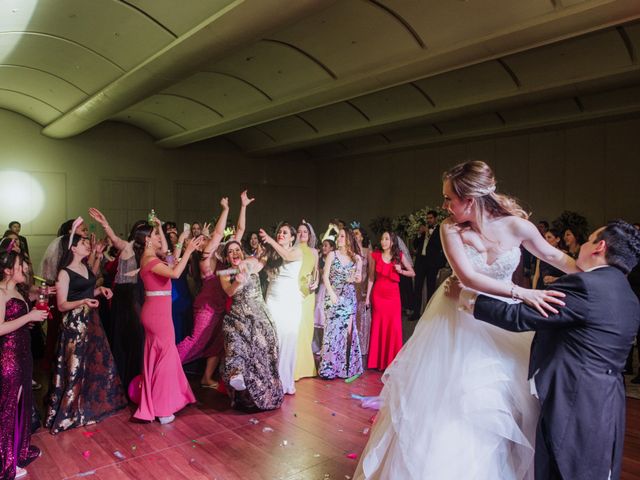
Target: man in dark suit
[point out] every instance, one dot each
(577, 356)
(429, 259)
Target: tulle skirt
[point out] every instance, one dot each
(456, 403)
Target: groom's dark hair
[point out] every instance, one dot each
(623, 245)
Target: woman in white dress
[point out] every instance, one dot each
(284, 299)
(456, 402)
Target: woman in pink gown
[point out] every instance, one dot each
(210, 306)
(165, 388)
(385, 268)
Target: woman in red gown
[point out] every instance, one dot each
(165, 388)
(385, 267)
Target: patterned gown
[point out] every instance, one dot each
(363, 314)
(251, 349)
(340, 356)
(15, 404)
(85, 387)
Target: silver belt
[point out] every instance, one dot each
(158, 293)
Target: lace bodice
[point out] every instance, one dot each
(501, 268)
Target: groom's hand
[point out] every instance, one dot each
(452, 287)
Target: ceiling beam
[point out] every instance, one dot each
(239, 23)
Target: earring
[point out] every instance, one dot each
(148, 244)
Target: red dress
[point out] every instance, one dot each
(165, 389)
(386, 314)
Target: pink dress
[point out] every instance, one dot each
(165, 389)
(386, 314)
(209, 309)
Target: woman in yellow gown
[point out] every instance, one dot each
(305, 362)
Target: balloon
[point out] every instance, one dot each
(135, 389)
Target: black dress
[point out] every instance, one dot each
(85, 387)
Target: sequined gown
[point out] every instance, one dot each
(15, 394)
(85, 386)
(340, 356)
(251, 349)
(363, 313)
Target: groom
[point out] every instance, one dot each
(577, 356)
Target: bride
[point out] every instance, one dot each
(456, 402)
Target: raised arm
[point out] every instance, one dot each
(470, 278)
(98, 216)
(218, 232)
(175, 271)
(241, 226)
(289, 255)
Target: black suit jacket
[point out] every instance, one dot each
(434, 257)
(577, 357)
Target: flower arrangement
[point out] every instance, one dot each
(419, 217)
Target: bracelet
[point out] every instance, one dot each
(514, 297)
(178, 245)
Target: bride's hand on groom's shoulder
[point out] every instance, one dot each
(542, 300)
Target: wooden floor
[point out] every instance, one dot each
(311, 437)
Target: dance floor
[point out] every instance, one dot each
(318, 434)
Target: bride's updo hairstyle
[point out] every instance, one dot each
(475, 179)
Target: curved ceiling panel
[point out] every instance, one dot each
(42, 85)
(251, 139)
(466, 20)
(276, 68)
(335, 118)
(156, 125)
(70, 61)
(221, 92)
(288, 128)
(421, 131)
(562, 108)
(30, 107)
(179, 18)
(182, 110)
(469, 124)
(394, 103)
(470, 84)
(127, 38)
(575, 59)
(346, 46)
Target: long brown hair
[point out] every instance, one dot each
(350, 244)
(475, 179)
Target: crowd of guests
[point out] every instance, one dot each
(258, 312)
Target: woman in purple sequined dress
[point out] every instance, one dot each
(16, 368)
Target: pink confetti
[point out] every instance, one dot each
(86, 454)
(90, 434)
(352, 456)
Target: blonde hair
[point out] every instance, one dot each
(475, 179)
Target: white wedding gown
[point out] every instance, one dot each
(456, 402)
(284, 302)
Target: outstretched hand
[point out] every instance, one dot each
(224, 202)
(98, 216)
(265, 237)
(244, 199)
(452, 287)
